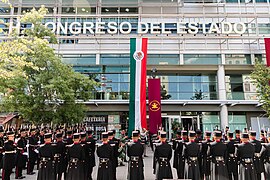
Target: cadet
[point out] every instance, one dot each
(76, 158)
(267, 158)
(115, 145)
(232, 163)
(206, 157)
(105, 154)
(87, 155)
(135, 151)
(59, 156)
(21, 156)
(191, 153)
(9, 157)
(91, 142)
(162, 157)
(237, 136)
(1, 145)
(46, 155)
(245, 154)
(218, 152)
(33, 155)
(178, 160)
(258, 163)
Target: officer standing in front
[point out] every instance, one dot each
(33, 155)
(9, 157)
(21, 156)
(135, 151)
(105, 154)
(258, 162)
(46, 159)
(59, 156)
(232, 163)
(76, 158)
(162, 157)
(115, 145)
(206, 157)
(91, 142)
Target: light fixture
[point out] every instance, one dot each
(83, 10)
(107, 10)
(127, 10)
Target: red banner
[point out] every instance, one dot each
(154, 105)
(267, 50)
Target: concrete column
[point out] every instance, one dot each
(222, 96)
(97, 59)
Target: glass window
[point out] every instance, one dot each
(86, 10)
(162, 59)
(130, 10)
(237, 120)
(16, 10)
(4, 25)
(264, 28)
(109, 10)
(119, 59)
(238, 59)
(68, 10)
(260, 58)
(210, 121)
(80, 59)
(26, 9)
(202, 59)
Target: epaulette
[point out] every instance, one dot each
(112, 144)
(88, 142)
(70, 145)
(53, 144)
(42, 145)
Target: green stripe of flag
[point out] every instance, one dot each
(131, 124)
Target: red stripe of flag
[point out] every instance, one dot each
(267, 50)
(143, 84)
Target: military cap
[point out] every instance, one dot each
(48, 135)
(33, 129)
(217, 134)
(83, 134)
(104, 135)
(69, 132)
(252, 133)
(184, 133)
(208, 133)
(110, 133)
(192, 134)
(90, 131)
(237, 131)
(76, 136)
(163, 134)
(245, 135)
(198, 131)
(178, 132)
(113, 131)
(22, 130)
(135, 134)
(59, 135)
(230, 134)
(10, 133)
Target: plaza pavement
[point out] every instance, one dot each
(122, 171)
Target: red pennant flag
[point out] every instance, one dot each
(154, 105)
(267, 50)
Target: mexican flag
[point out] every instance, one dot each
(137, 99)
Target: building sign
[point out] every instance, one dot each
(99, 28)
(97, 123)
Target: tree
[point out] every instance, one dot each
(47, 90)
(261, 75)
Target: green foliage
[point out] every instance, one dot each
(46, 90)
(261, 75)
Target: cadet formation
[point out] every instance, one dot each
(71, 153)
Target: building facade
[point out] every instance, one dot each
(204, 71)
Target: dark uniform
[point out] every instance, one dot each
(76, 158)
(266, 158)
(218, 151)
(206, 157)
(115, 145)
(2, 142)
(258, 161)
(46, 169)
(21, 157)
(59, 157)
(105, 154)
(178, 159)
(162, 157)
(8, 159)
(191, 153)
(245, 155)
(33, 156)
(135, 151)
(90, 160)
(231, 160)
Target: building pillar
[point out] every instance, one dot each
(222, 96)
